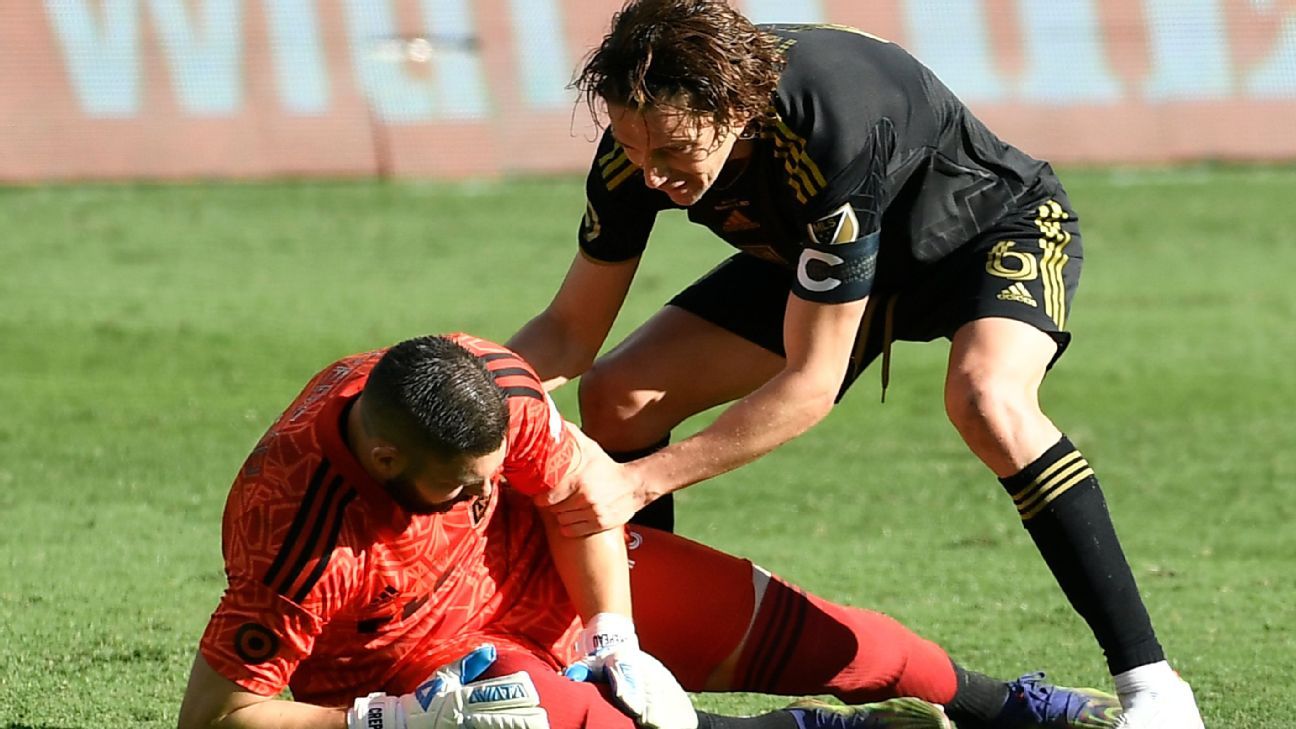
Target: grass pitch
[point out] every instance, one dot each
(149, 334)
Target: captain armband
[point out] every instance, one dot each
(837, 264)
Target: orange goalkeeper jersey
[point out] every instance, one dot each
(334, 589)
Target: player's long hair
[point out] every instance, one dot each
(701, 56)
(432, 394)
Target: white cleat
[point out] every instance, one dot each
(1167, 706)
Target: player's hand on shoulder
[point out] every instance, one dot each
(599, 493)
(641, 686)
(456, 697)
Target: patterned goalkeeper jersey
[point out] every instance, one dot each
(335, 591)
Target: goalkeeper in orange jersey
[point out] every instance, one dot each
(387, 563)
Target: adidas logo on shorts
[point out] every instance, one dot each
(1017, 292)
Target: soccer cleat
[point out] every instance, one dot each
(905, 713)
(1172, 707)
(1033, 702)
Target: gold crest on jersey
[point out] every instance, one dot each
(840, 226)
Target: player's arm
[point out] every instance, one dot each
(453, 697)
(212, 701)
(561, 342)
(594, 569)
(596, 572)
(833, 279)
(834, 276)
(818, 339)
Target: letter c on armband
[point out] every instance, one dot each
(817, 285)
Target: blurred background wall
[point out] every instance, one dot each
(166, 89)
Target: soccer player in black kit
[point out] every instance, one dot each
(867, 205)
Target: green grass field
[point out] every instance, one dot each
(149, 334)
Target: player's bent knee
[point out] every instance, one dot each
(988, 405)
(622, 416)
(608, 400)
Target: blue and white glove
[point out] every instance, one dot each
(453, 698)
(641, 685)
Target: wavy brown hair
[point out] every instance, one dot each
(700, 56)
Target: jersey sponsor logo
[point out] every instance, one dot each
(374, 718)
(255, 643)
(737, 222)
(498, 692)
(731, 203)
(840, 226)
(808, 282)
(1017, 292)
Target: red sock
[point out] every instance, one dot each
(803, 644)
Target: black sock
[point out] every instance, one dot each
(772, 720)
(1062, 507)
(978, 700)
(660, 514)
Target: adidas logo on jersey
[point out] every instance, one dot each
(388, 594)
(737, 222)
(1017, 292)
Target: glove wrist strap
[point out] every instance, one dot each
(608, 631)
(376, 711)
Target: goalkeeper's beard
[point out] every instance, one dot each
(403, 491)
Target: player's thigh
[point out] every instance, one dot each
(679, 356)
(568, 704)
(1012, 297)
(998, 357)
(693, 604)
(713, 343)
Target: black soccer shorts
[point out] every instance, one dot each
(1025, 268)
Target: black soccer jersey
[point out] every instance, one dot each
(868, 169)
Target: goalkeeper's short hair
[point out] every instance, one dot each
(432, 394)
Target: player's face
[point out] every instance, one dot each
(432, 485)
(679, 153)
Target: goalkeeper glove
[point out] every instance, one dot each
(641, 685)
(452, 698)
